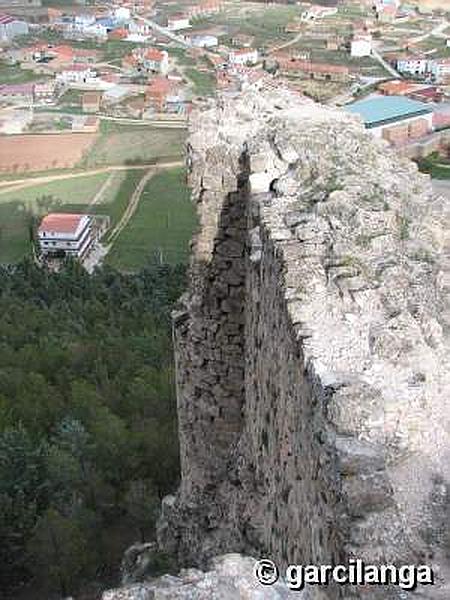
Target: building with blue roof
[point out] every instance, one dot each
(394, 117)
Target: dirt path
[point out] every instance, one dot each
(100, 193)
(131, 208)
(297, 38)
(19, 184)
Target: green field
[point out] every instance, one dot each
(204, 83)
(436, 166)
(20, 209)
(179, 54)
(120, 144)
(267, 24)
(15, 75)
(161, 226)
(75, 191)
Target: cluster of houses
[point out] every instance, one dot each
(28, 94)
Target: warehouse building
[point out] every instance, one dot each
(394, 118)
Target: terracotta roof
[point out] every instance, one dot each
(77, 67)
(63, 51)
(399, 88)
(159, 85)
(6, 19)
(61, 222)
(243, 51)
(92, 97)
(154, 54)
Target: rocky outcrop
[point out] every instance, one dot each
(230, 578)
(312, 345)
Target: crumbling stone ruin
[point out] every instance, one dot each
(312, 357)
(311, 347)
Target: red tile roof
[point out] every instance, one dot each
(61, 222)
(77, 67)
(154, 54)
(243, 51)
(6, 19)
(159, 85)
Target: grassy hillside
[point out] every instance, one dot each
(161, 226)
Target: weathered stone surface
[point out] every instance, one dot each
(325, 416)
(231, 578)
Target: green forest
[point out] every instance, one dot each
(88, 441)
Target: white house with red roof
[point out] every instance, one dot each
(156, 61)
(10, 27)
(69, 234)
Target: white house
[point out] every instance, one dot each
(244, 56)
(10, 27)
(44, 93)
(96, 30)
(440, 70)
(80, 22)
(177, 22)
(138, 28)
(156, 61)
(361, 46)
(204, 41)
(413, 65)
(69, 234)
(122, 14)
(76, 73)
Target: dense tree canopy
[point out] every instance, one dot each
(87, 418)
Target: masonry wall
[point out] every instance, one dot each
(311, 346)
(287, 438)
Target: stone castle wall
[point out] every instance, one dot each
(311, 346)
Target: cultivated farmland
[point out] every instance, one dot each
(41, 152)
(133, 144)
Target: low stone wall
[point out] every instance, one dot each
(311, 345)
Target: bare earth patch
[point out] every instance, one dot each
(41, 152)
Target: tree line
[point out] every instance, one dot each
(88, 434)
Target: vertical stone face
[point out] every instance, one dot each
(209, 328)
(311, 345)
(286, 435)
